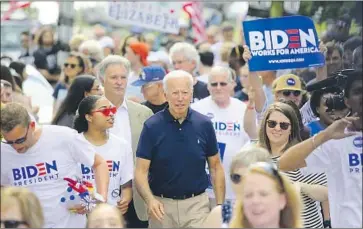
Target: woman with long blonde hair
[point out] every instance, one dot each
(20, 208)
(269, 200)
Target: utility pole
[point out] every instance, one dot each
(65, 26)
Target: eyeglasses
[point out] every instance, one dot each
(178, 62)
(283, 125)
(107, 111)
(222, 84)
(12, 223)
(18, 141)
(270, 169)
(236, 178)
(288, 93)
(70, 65)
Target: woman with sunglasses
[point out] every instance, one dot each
(94, 119)
(279, 131)
(221, 215)
(268, 200)
(74, 65)
(82, 86)
(20, 208)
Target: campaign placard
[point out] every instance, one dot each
(159, 16)
(282, 43)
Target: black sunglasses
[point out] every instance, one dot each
(17, 141)
(236, 178)
(70, 65)
(273, 124)
(222, 84)
(12, 223)
(270, 169)
(288, 93)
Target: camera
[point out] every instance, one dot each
(336, 80)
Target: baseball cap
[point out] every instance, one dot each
(141, 49)
(287, 82)
(150, 74)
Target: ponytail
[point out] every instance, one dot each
(85, 107)
(80, 124)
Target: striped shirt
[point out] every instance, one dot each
(311, 213)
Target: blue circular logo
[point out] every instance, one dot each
(210, 115)
(290, 82)
(358, 142)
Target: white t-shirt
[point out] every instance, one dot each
(231, 136)
(118, 156)
(342, 161)
(42, 168)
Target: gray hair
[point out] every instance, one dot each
(177, 74)
(93, 48)
(12, 115)
(187, 50)
(249, 155)
(221, 70)
(111, 60)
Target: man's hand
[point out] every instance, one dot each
(337, 129)
(156, 209)
(123, 205)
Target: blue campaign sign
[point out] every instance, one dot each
(282, 43)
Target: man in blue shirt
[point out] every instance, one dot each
(174, 146)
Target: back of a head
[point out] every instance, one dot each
(29, 204)
(101, 216)
(249, 155)
(207, 58)
(12, 115)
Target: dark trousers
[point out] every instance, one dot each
(132, 221)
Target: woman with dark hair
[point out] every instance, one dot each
(82, 86)
(74, 66)
(278, 132)
(94, 119)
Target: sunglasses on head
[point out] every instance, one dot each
(269, 168)
(66, 65)
(273, 124)
(288, 93)
(17, 141)
(222, 84)
(12, 223)
(107, 111)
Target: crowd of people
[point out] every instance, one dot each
(183, 135)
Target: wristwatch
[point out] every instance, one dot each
(99, 197)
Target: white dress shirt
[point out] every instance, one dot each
(121, 127)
